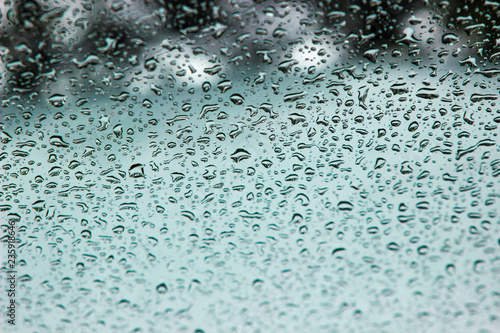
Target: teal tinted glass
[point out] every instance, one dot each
(249, 166)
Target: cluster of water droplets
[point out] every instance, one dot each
(269, 170)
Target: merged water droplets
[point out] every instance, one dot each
(427, 93)
(240, 155)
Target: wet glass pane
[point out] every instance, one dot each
(250, 166)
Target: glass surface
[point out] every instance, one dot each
(250, 166)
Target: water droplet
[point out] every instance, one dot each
(345, 206)
(450, 39)
(161, 288)
(57, 100)
(240, 155)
